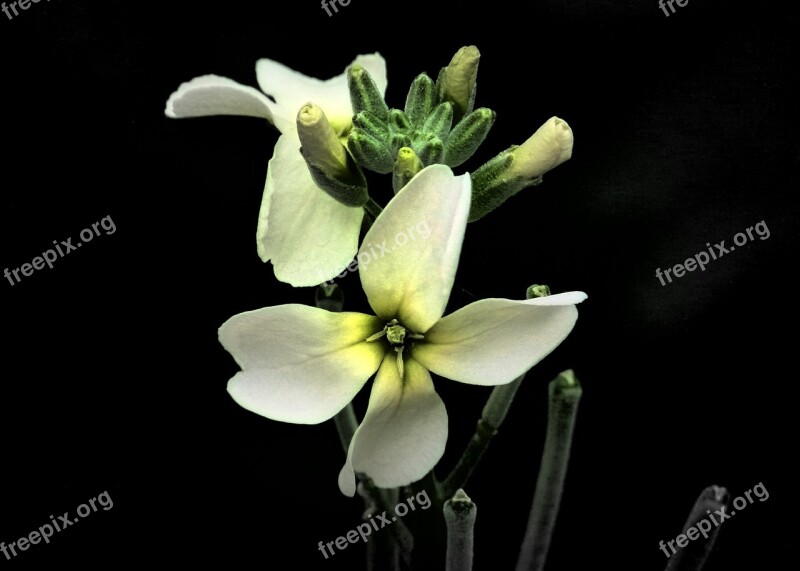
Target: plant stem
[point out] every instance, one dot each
(373, 208)
(346, 424)
(564, 394)
(492, 417)
(693, 556)
(459, 514)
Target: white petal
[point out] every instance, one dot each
(292, 89)
(215, 95)
(404, 432)
(300, 364)
(493, 341)
(415, 244)
(309, 236)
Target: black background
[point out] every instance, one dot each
(112, 376)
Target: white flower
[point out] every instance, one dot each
(302, 364)
(308, 236)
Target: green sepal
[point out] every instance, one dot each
(372, 125)
(369, 152)
(467, 136)
(421, 99)
(491, 186)
(398, 121)
(350, 192)
(431, 151)
(364, 94)
(439, 121)
(397, 142)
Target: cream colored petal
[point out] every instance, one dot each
(292, 89)
(308, 236)
(414, 246)
(215, 95)
(300, 364)
(404, 432)
(493, 341)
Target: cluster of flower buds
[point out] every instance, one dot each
(438, 125)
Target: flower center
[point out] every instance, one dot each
(398, 337)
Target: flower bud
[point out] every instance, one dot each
(547, 148)
(369, 152)
(457, 81)
(420, 99)
(405, 167)
(328, 162)
(467, 136)
(364, 94)
(439, 121)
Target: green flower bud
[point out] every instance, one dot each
(457, 81)
(364, 94)
(439, 121)
(328, 162)
(369, 152)
(431, 151)
(405, 167)
(537, 290)
(467, 136)
(420, 100)
(371, 125)
(520, 167)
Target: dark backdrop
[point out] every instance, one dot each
(112, 376)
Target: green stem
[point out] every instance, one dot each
(564, 394)
(492, 417)
(459, 514)
(693, 556)
(373, 208)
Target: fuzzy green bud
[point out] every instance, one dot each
(364, 94)
(369, 152)
(467, 136)
(439, 121)
(420, 100)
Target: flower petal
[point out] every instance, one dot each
(215, 95)
(404, 432)
(309, 236)
(418, 239)
(493, 341)
(300, 364)
(291, 89)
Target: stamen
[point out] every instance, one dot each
(400, 365)
(376, 336)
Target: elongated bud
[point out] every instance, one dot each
(520, 167)
(439, 121)
(405, 167)
(420, 100)
(457, 81)
(467, 136)
(364, 94)
(369, 152)
(547, 148)
(328, 162)
(371, 125)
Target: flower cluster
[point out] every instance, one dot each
(304, 364)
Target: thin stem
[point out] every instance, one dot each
(492, 417)
(373, 208)
(459, 514)
(346, 424)
(693, 556)
(564, 394)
